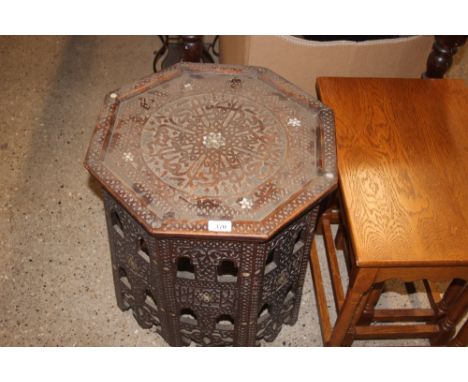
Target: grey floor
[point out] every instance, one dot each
(55, 273)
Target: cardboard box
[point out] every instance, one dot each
(302, 61)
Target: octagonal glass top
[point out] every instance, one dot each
(204, 149)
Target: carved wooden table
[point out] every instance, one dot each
(402, 149)
(213, 177)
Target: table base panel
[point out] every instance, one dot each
(209, 292)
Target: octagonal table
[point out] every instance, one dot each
(213, 177)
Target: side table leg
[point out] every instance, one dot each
(339, 238)
(374, 296)
(353, 306)
(440, 59)
(193, 48)
(180, 48)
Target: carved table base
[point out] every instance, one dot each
(211, 291)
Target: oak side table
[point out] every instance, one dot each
(213, 177)
(402, 153)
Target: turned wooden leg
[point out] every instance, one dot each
(180, 48)
(461, 339)
(440, 59)
(354, 304)
(193, 48)
(448, 323)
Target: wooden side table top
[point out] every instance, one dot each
(402, 149)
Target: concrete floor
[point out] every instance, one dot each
(55, 272)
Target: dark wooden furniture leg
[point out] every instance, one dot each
(182, 49)
(440, 59)
(193, 48)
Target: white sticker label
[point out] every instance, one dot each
(219, 225)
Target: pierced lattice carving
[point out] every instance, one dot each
(209, 292)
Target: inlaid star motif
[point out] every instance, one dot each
(128, 157)
(246, 203)
(294, 122)
(213, 140)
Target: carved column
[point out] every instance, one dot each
(440, 59)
